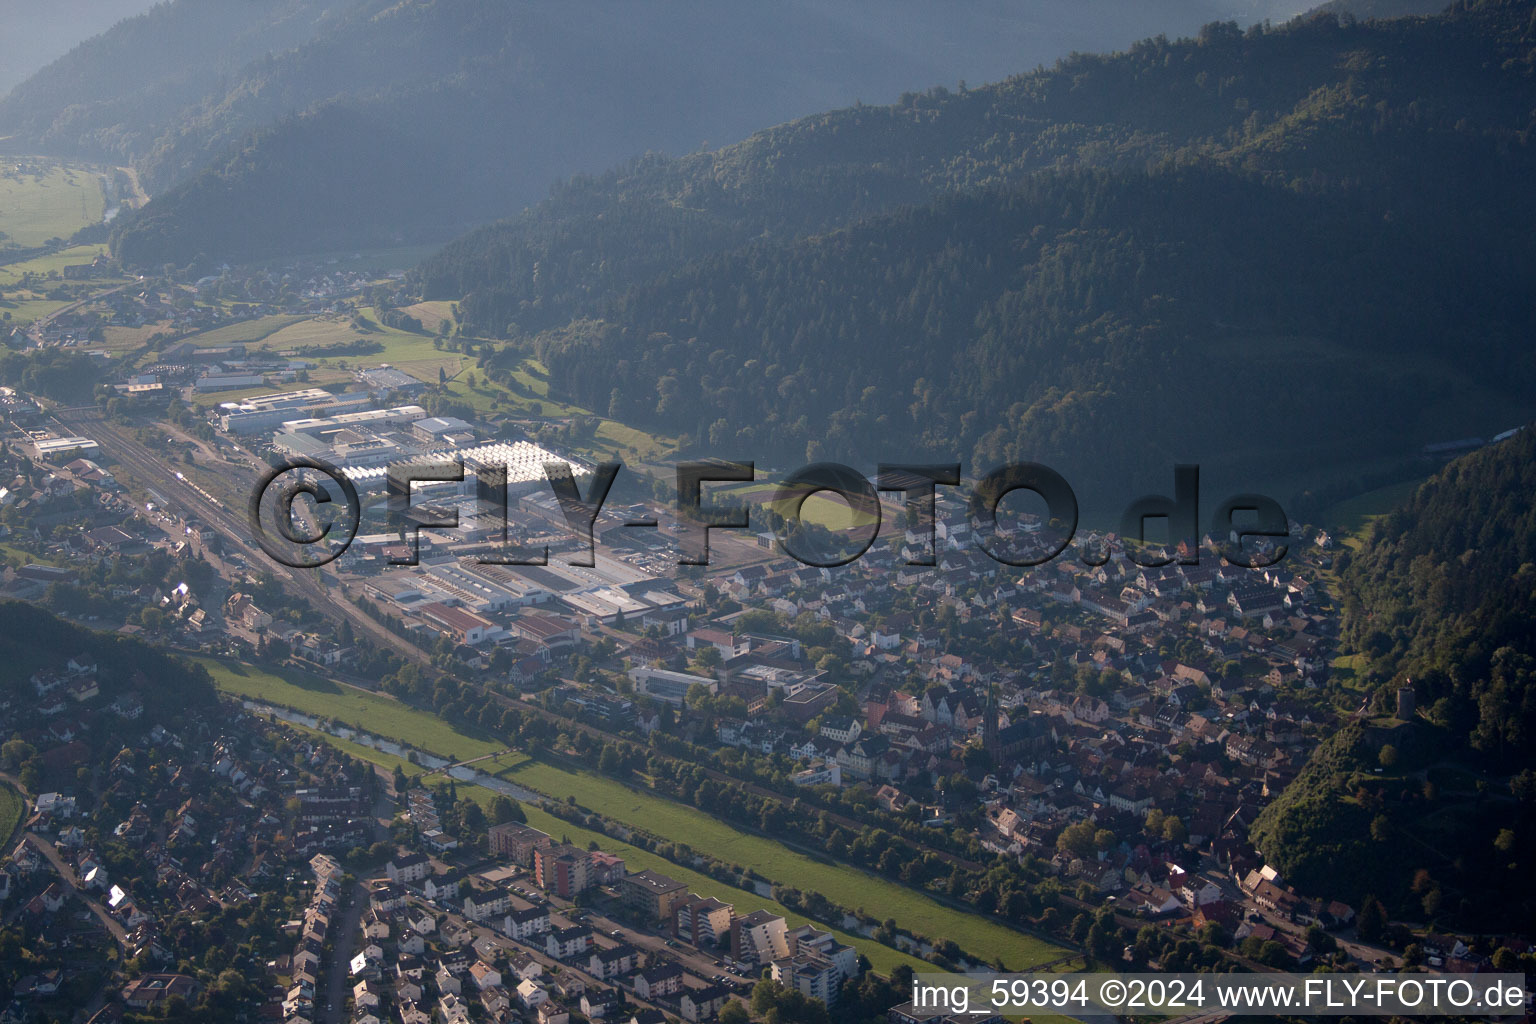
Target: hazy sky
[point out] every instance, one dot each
(34, 32)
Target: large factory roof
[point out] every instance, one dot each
(523, 460)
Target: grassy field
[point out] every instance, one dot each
(209, 399)
(431, 313)
(246, 332)
(49, 263)
(1353, 518)
(54, 204)
(827, 512)
(24, 309)
(25, 305)
(22, 557)
(412, 353)
(372, 713)
(371, 755)
(610, 438)
(819, 509)
(125, 339)
(12, 807)
(882, 957)
(1345, 671)
(848, 886)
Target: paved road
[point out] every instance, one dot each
(140, 197)
(687, 956)
(551, 965)
(345, 933)
(310, 584)
(232, 525)
(67, 873)
(35, 328)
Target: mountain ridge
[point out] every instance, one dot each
(543, 94)
(828, 286)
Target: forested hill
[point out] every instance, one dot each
(1304, 104)
(1442, 597)
(1445, 594)
(113, 97)
(36, 34)
(1280, 253)
(283, 125)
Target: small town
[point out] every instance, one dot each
(1109, 732)
(809, 513)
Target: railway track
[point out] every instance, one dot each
(156, 472)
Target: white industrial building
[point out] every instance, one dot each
(524, 462)
(261, 413)
(60, 445)
(362, 418)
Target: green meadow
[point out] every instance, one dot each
(53, 204)
(381, 715)
(675, 822)
(845, 885)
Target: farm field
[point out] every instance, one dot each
(284, 332)
(27, 305)
(48, 263)
(52, 204)
(410, 353)
(430, 313)
(126, 339)
(26, 310)
(847, 886)
(404, 350)
(246, 332)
